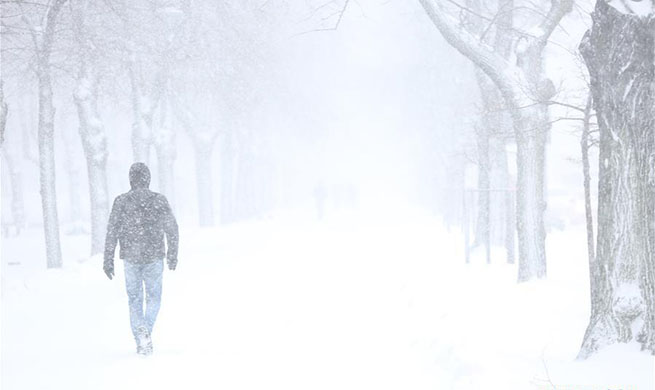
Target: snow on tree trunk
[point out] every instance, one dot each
(16, 184)
(483, 229)
(94, 142)
(46, 141)
(586, 178)
(203, 155)
(531, 126)
(530, 204)
(47, 171)
(619, 52)
(15, 174)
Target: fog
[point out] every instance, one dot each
(370, 108)
(366, 194)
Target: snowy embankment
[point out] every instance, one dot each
(299, 305)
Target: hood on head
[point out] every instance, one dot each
(139, 175)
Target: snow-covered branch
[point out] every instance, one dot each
(558, 9)
(469, 45)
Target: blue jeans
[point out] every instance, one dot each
(136, 277)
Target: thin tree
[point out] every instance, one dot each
(91, 130)
(14, 171)
(4, 110)
(43, 38)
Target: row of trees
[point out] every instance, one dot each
(197, 66)
(618, 51)
(160, 56)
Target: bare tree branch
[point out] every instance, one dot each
(340, 14)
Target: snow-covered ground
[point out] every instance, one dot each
(295, 304)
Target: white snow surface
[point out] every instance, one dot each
(294, 304)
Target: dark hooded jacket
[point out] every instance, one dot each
(139, 220)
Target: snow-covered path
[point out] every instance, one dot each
(341, 305)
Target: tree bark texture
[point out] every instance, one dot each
(619, 53)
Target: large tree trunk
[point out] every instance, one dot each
(619, 52)
(47, 172)
(530, 204)
(46, 142)
(94, 141)
(531, 125)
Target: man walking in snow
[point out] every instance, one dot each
(139, 221)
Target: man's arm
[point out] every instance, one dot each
(112, 239)
(172, 235)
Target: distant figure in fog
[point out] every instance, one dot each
(139, 221)
(320, 193)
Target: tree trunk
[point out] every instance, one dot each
(94, 141)
(619, 52)
(530, 204)
(204, 180)
(491, 124)
(503, 219)
(47, 170)
(483, 229)
(46, 142)
(531, 125)
(16, 183)
(4, 110)
(584, 148)
(15, 175)
(510, 227)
